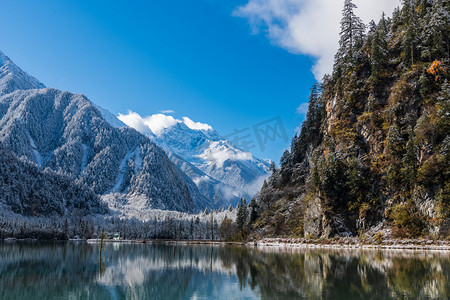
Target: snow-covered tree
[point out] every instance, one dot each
(411, 37)
(435, 33)
(351, 36)
(379, 49)
(242, 214)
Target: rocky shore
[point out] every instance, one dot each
(357, 243)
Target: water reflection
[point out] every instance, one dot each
(136, 271)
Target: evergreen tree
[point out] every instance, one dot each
(435, 33)
(242, 214)
(285, 159)
(191, 229)
(410, 39)
(410, 162)
(372, 28)
(272, 168)
(211, 225)
(66, 228)
(394, 142)
(253, 211)
(351, 36)
(379, 49)
(311, 127)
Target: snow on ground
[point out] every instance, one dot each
(85, 157)
(127, 207)
(37, 155)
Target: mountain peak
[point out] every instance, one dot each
(13, 78)
(213, 157)
(3, 58)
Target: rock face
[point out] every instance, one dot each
(66, 133)
(313, 219)
(374, 150)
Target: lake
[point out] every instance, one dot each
(76, 270)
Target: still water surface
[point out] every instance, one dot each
(36, 270)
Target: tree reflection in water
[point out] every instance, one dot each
(136, 271)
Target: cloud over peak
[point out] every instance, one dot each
(308, 27)
(196, 125)
(158, 122)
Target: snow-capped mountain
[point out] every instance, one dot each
(68, 134)
(13, 78)
(221, 171)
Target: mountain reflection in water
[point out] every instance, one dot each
(35, 270)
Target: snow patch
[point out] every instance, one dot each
(137, 160)
(85, 157)
(200, 179)
(110, 118)
(218, 153)
(131, 155)
(37, 155)
(137, 206)
(122, 170)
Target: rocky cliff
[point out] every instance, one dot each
(373, 155)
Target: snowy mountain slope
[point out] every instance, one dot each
(68, 134)
(221, 171)
(13, 78)
(110, 118)
(30, 191)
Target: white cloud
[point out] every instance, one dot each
(135, 121)
(255, 186)
(308, 27)
(158, 122)
(196, 125)
(302, 109)
(154, 123)
(169, 111)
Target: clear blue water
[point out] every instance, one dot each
(68, 270)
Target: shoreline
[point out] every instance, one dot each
(351, 243)
(342, 243)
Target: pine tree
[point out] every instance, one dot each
(311, 126)
(410, 162)
(351, 36)
(372, 27)
(242, 214)
(379, 49)
(435, 34)
(211, 224)
(410, 40)
(191, 229)
(272, 168)
(253, 211)
(66, 228)
(394, 142)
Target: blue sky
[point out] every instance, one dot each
(204, 59)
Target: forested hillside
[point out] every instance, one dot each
(373, 155)
(66, 133)
(28, 191)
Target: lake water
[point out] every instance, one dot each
(69, 270)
